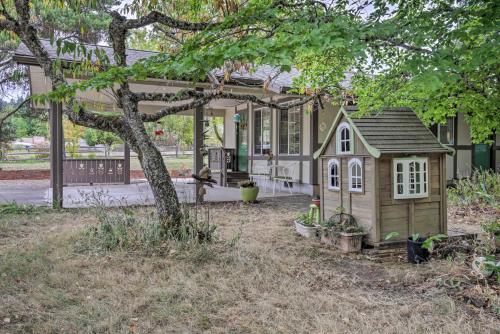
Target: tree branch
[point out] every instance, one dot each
(4, 118)
(201, 98)
(157, 17)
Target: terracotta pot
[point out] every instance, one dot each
(316, 201)
(350, 242)
(249, 194)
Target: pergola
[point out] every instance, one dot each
(103, 101)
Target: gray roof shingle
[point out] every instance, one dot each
(395, 130)
(256, 76)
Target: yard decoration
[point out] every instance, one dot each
(387, 170)
(248, 191)
(343, 232)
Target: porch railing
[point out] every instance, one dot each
(94, 171)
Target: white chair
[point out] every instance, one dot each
(261, 174)
(285, 175)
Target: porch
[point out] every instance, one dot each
(138, 192)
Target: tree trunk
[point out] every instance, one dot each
(166, 200)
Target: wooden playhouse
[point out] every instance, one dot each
(387, 170)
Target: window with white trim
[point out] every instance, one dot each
(411, 177)
(262, 131)
(289, 138)
(344, 139)
(355, 175)
(334, 174)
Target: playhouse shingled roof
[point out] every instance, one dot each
(394, 130)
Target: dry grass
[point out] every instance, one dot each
(269, 281)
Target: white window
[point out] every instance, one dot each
(344, 139)
(410, 177)
(262, 131)
(334, 174)
(355, 175)
(289, 138)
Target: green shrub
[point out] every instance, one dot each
(482, 188)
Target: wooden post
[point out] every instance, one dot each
(198, 145)
(56, 154)
(314, 143)
(126, 163)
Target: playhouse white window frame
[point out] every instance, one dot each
(411, 180)
(344, 128)
(334, 175)
(356, 177)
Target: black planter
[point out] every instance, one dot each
(416, 254)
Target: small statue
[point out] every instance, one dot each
(204, 176)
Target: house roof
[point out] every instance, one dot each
(281, 82)
(394, 130)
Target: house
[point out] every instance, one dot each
(292, 136)
(387, 170)
(468, 156)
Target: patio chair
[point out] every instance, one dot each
(285, 175)
(261, 173)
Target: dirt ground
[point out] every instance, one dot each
(259, 277)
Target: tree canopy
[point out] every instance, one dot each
(439, 57)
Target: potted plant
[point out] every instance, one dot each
(248, 191)
(342, 231)
(304, 226)
(419, 248)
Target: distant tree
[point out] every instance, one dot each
(72, 135)
(96, 137)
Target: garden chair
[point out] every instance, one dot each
(285, 175)
(261, 173)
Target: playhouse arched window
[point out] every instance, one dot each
(344, 139)
(355, 175)
(334, 174)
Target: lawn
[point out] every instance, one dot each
(258, 277)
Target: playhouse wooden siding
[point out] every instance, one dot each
(396, 133)
(425, 216)
(376, 209)
(360, 205)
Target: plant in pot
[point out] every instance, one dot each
(419, 248)
(342, 231)
(305, 226)
(248, 191)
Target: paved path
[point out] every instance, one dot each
(38, 192)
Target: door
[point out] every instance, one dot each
(242, 142)
(482, 156)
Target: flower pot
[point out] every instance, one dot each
(350, 242)
(306, 231)
(316, 201)
(416, 254)
(249, 194)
